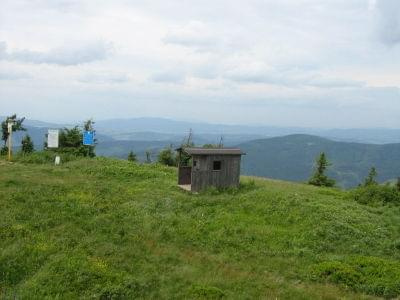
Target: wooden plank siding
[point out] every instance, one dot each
(204, 176)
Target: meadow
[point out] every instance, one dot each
(112, 229)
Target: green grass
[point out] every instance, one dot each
(111, 229)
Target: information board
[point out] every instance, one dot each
(88, 138)
(52, 138)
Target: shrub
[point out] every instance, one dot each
(43, 157)
(4, 150)
(132, 156)
(27, 145)
(71, 142)
(206, 292)
(167, 157)
(371, 275)
(376, 195)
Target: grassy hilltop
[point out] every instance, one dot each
(110, 229)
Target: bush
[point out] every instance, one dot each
(167, 157)
(71, 141)
(371, 275)
(4, 150)
(376, 195)
(43, 157)
(27, 145)
(132, 156)
(206, 292)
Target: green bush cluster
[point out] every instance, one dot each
(375, 194)
(206, 292)
(371, 275)
(167, 157)
(43, 157)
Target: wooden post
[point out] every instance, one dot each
(9, 140)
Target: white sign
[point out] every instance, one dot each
(52, 138)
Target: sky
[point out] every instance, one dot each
(305, 63)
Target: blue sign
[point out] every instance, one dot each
(88, 138)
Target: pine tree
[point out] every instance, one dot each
(27, 145)
(132, 156)
(370, 180)
(148, 157)
(319, 178)
(398, 184)
(71, 141)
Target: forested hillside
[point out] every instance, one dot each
(292, 158)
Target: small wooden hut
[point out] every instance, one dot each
(209, 167)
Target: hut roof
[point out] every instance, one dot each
(213, 151)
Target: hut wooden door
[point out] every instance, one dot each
(185, 175)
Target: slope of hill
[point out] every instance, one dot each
(111, 229)
(292, 158)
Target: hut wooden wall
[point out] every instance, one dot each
(204, 176)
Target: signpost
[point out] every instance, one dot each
(88, 138)
(52, 138)
(9, 128)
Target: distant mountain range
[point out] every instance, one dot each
(159, 129)
(122, 127)
(282, 153)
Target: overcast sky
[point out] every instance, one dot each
(317, 63)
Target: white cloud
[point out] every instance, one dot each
(168, 77)
(265, 61)
(193, 35)
(13, 75)
(104, 77)
(389, 21)
(64, 56)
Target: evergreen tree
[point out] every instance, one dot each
(71, 141)
(398, 184)
(148, 157)
(370, 180)
(88, 125)
(132, 156)
(27, 145)
(319, 178)
(167, 157)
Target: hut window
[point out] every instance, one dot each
(217, 165)
(195, 163)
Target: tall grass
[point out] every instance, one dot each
(112, 229)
